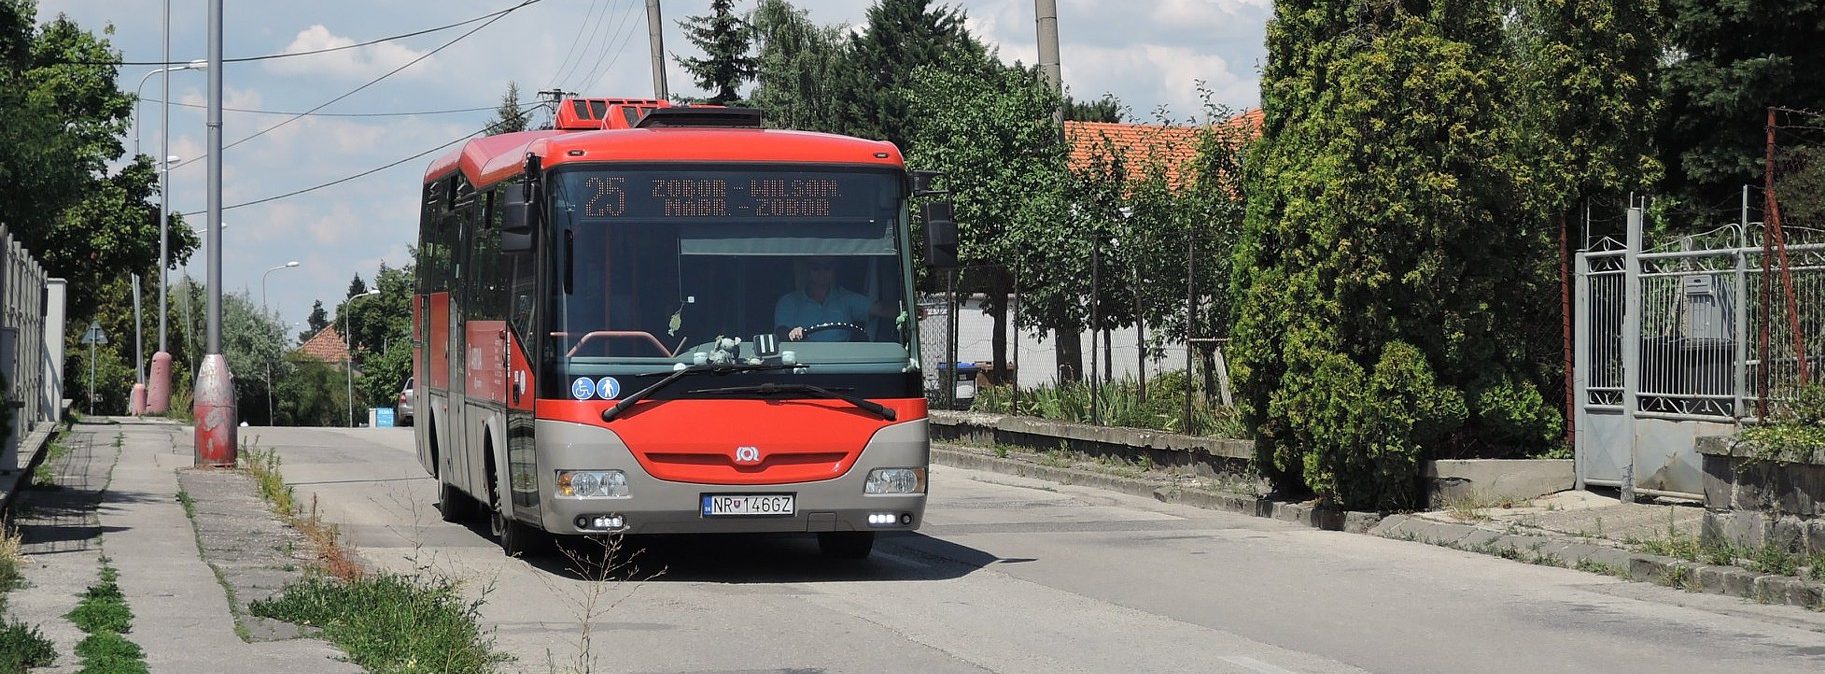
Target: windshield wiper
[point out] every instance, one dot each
(773, 389)
(718, 368)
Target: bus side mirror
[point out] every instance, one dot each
(517, 216)
(940, 235)
(924, 183)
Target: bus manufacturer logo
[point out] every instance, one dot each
(747, 455)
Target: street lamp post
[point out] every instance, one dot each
(158, 393)
(265, 310)
(348, 343)
(158, 386)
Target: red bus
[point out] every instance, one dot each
(660, 319)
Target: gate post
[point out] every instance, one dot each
(1631, 343)
(1738, 322)
(1581, 365)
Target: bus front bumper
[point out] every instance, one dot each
(656, 506)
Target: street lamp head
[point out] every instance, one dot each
(375, 291)
(292, 263)
(173, 159)
(199, 64)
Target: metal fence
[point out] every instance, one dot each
(1687, 339)
(24, 359)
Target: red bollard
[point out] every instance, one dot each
(216, 420)
(136, 402)
(158, 390)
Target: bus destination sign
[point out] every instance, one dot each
(730, 195)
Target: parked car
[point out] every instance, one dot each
(402, 407)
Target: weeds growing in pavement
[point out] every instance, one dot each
(104, 615)
(389, 622)
(45, 475)
(606, 570)
(385, 622)
(21, 645)
(183, 497)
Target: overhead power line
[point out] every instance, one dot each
(269, 57)
(572, 50)
(402, 113)
(363, 174)
(498, 16)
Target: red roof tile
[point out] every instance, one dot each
(325, 346)
(1175, 146)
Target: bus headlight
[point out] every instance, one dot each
(895, 481)
(592, 484)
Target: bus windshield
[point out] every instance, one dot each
(655, 266)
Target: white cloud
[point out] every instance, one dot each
(357, 63)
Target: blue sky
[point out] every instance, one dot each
(1149, 54)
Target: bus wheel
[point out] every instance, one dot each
(846, 544)
(453, 504)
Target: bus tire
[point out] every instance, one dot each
(846, 544)
(454, 505)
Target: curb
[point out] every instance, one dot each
(1577, 553)
(31, 447)
(1563, 551)
(1328, 519)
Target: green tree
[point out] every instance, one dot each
(61, 123)
(799, 69)
(1381, 281)
(356, 287)
(1586, 100)
(725, 38)
(315, 322)
(1105, 109)
(312, 393)
(900, 38)
(991, 133)
(1727, 62)
(511, 115)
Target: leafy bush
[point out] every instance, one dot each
(1163, 409)
(1795, 429)
(23, 646)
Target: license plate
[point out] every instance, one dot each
(747, 505)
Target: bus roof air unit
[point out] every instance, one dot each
(701, 117)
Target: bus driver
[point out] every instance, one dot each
(823, 302)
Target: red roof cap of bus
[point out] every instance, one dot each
(493, 158)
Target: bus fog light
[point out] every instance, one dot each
(880, 519)
(592, 484)
(895, 481)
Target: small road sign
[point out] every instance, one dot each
(94, 335)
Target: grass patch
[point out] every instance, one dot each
(390, 623)
(21, 645)
(183, 498)
(1470, 507)
(45, 475)
(1119, 403)
(1594, 566)
(104, 615)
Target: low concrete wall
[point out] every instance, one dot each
(1755, 501)
(1204, 456)
(1495, 479)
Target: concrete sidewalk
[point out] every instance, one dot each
(117, 496)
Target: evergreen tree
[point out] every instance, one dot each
(510, 116)
(315, 322)
(901, 37)
(1730, 61)
(800, 67)
(356, 287)
(1384, 290)
(1105, 109)
(725, 39)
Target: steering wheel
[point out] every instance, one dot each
(855, 331)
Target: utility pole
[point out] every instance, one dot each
(655, 36)
(215, 413)
(1047, 20)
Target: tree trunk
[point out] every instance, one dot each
(1068, 346)
(1108, 357)
(997, 305)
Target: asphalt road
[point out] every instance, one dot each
(1017, 575)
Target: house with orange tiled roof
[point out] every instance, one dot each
(326, 346)
(1175, 146)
